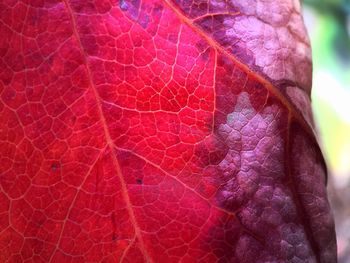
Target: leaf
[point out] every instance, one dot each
(159, 131)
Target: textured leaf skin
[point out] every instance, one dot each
(159, 131)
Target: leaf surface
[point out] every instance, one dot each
(159, 131)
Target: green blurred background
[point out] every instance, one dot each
(328, 24)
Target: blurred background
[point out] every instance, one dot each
(328, 24)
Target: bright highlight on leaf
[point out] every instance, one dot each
(159, 131)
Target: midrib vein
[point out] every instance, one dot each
(252, 74)
(109, 140)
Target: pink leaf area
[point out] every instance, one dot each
(159, 131)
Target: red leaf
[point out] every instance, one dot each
(159, 131)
